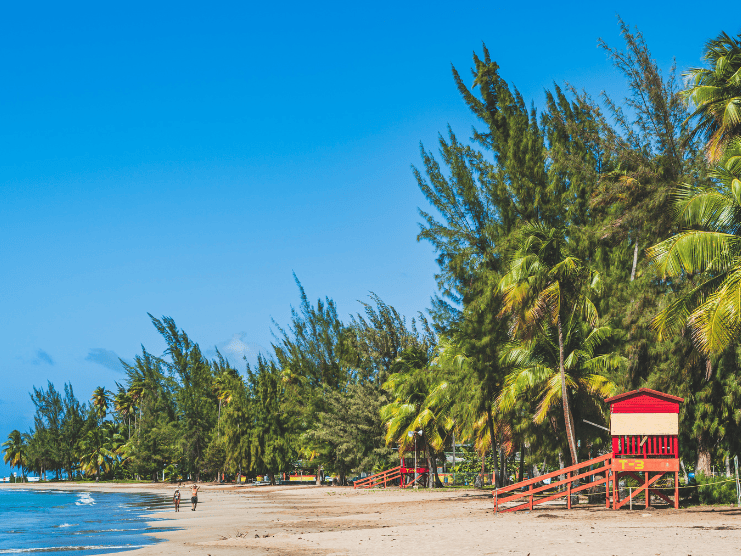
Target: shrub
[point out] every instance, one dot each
(715, 490)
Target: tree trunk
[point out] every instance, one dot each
(703, 456)
(570, 434)
(522, 461)
(561, 466)
(503, 465)
(635, 261)
(319, 476)
(430, 477)
(490, 422)
(728, 467)
(271, 476)
(435, 477)
(684, 471)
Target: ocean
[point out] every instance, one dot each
(61, 523)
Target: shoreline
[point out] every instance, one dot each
(326, 520)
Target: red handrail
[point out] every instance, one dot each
(382, 477)
(605, 468)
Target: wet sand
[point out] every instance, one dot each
(305, 520)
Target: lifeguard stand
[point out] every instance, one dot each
(408, 472)
(644, 425)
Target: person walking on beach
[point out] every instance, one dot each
(194, 495)
(176, 500)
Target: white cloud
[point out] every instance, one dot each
(236, 349)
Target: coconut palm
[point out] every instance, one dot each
(708, 252)
(224, 389)
(101, 401)
(124, 405)
(410, 384)
(136, 393)
(547, 286)
(97, 451)
(14, 451)
(467, 394)
(536, 372)
(715, 93)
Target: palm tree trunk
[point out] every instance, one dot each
(490, 424)
(565, 395)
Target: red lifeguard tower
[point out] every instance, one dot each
(644, 425)
(406, 473)
(410, 473)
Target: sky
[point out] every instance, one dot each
(186, 159)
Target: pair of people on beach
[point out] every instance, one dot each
(193, 498)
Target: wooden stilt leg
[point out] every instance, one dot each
(648, 494)
(676, 490)
(615, 490)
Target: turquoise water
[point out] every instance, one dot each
(63, 523)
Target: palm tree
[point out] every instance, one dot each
(715, 92)
(410, 384)
(124, 405)
(536, 373)
(708, 252)
(136, 393)
(97, 451)
(14, 451)
(467, 392)
(101, 399)
(548, 286)
(223, 387)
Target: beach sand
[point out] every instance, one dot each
(306, 520)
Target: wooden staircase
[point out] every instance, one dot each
(379, 479)
(573, 473)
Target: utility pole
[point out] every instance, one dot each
(415, 459)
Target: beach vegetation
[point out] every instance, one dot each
(585, 247)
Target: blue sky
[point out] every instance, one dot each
(184, 159)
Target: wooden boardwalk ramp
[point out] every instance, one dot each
(379, 479)
(565, 487)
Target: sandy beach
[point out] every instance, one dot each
(307, 520)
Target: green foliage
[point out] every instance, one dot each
(14, 451)
(548, 301)
(715, 490)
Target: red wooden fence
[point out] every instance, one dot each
(637, 445)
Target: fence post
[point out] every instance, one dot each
(568, 490)
(738, 485)
(607, 487)
(531, 497)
